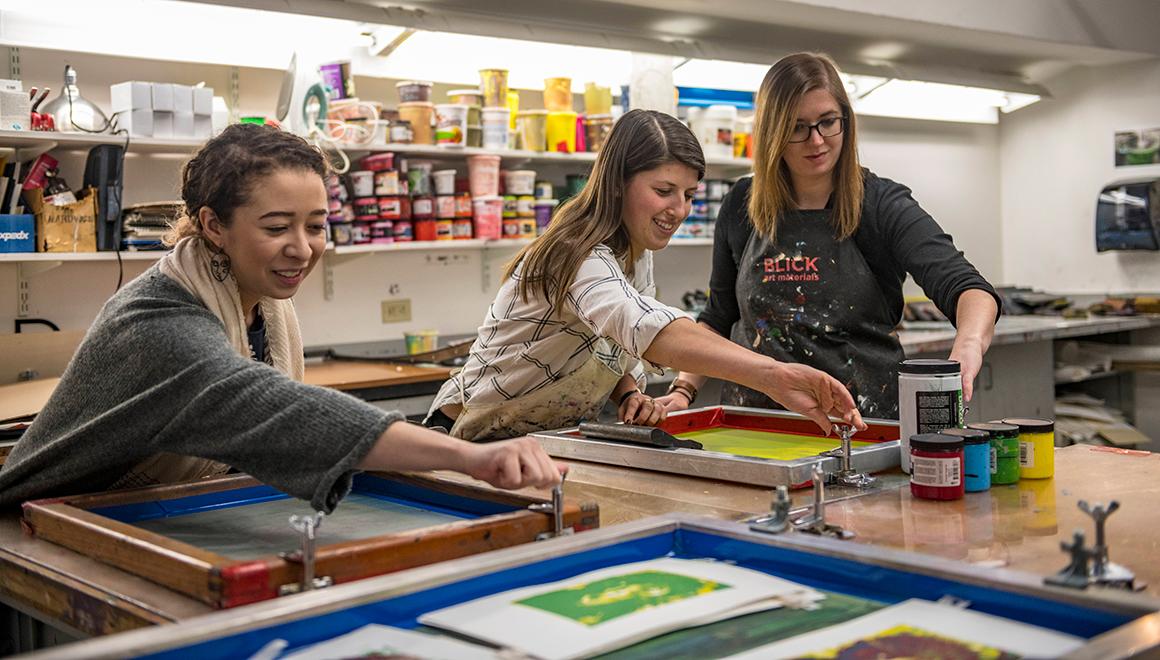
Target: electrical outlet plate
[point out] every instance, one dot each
(396, 310)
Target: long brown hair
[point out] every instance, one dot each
(772, 194)
(226, 168)
(640, 140)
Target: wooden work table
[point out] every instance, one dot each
(1018, 527)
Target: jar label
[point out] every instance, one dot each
(936, 411)
(994, 461)
(938, 472)
(1026, 454)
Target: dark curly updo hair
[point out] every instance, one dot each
(224, 171)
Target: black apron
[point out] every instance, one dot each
(805, 297)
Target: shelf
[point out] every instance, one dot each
(32, 143)
(432, 246)
(451, 153)
(17, 257)
(690, 242)
(1089, 377)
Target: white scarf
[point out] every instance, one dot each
(189, 265)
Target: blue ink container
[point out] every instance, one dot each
(976, 458)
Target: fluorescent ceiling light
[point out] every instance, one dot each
(719, 74)
(177, 31)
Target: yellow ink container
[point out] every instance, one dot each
(1036, 447)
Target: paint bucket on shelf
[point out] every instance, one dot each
(488, 216)
(387, 182)
(421, 116)
(597, 100)
(596, 130)
(493, 84)
(561, 131)
(445, 206)
(384, 160)
(451, 125)
(519, 182)
(412, 91)
(558, 94)
(715, 130)
(532, 125)
(461, 229)
(483, 175)
(544, 209)
(362, 183)
(444, 182)
(495, 127)
(930, 399)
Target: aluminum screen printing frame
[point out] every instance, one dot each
(882, 455)
(101, 527)
(1115, 624)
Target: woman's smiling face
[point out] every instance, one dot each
(655, 204)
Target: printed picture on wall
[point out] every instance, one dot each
(610, 608)
(1138, 147)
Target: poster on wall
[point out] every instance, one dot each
(1138, 147)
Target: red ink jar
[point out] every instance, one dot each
(936, 466)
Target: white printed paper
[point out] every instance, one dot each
(386, 640)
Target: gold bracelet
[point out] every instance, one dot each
(685, 387)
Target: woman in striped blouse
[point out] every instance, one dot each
(575, 321)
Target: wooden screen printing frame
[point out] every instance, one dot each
(223, 582)
(883, 455)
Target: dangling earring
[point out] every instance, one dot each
(219, 264)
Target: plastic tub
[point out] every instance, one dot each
(597, 99)
(493, 84)
(488, 216)
(474, 135)
(483, 175)
(387, 182)
(495, 127)
(596, 130)
(519, 182)
(558, 94)
(413, 91)
(444, 182)
(544, 209)
(378, 162)
(445, 207)
(420, 115)
(451, 125)
(469, 96)
(532, 125)
(362, 183)
(421, 341)
(561, 131)
(340, 233)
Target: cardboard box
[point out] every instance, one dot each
(163, 97)
(139, 123)
(202, 127)
(183, 125)
(202, 101)
(162, 124)
(183, 98)
(68, 228)
(132, 95)
(17, 233)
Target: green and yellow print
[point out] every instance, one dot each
(597, 602)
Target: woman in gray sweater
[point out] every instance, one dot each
(196, 366)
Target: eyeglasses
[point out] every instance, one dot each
(828, 127)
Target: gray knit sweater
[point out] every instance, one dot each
(154, 374)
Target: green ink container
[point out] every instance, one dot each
(1004, 451)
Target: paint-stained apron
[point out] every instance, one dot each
(807, 298)
(579, 395)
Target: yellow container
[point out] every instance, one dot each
(421, 341)
(1036, 447)
(597, 99)
(494, 85)
(558, 94)
(532, 125)
(422, 116)
(561, 131)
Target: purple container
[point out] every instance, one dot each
(544, 208)
(335, 76)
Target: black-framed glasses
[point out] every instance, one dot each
(828, 127)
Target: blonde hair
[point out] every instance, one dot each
(772, 194)
(640, 140)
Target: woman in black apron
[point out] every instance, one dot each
(810, 254)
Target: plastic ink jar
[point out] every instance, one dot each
(1004, 451)
(1036, 447)
(936, 466)
(976, 458)
(930, 399)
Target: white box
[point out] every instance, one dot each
(131, 95)
(162, 124)
(15, 111)
(139, 123)
(9, 85)
(202, 127)
(183, 125)
(203, 101)
(162, 97)
(183, 98)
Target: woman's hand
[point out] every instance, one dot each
(641, 409)
(513, 464)
(812, 393)
(969, 354)
(673, 402)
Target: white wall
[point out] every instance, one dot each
(1055, 158)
